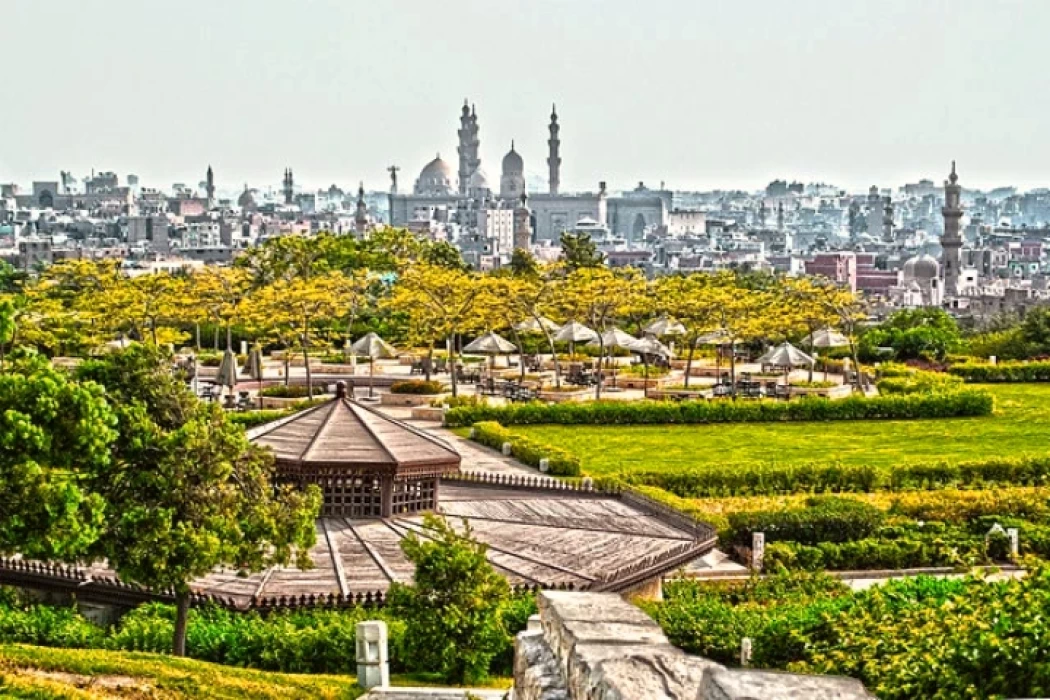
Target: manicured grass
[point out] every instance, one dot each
(45, 673)
(1020, 426)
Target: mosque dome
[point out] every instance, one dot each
(922, 267)
(512, 162)
(246, 200)
(435, 178)
(479, 181)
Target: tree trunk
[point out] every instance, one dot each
(430, 360)
(216, 347)
(601, 356)
(182, 608)
(306, 361)
(856, 366)
(197, 334)
(645, 386)
(521, 353)
(287, 364)
(450, 343)
(732, 369)
(689, 361)
(811, 332)
(153, 331)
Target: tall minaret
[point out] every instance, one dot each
(289, 186)
(361, 215)
(469, 143)
(951, 240)
(554, 160)
(210, 187)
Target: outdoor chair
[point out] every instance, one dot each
(417, 368)
(440, 365)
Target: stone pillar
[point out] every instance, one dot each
(758, 550)
(373, 661)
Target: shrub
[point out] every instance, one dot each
(49, 626)
(816, 384)
(215, 359)
(966, 402)
(250, 419)
(457, 401)
(756, 479)
(916, 381)
(453, 610)
(1003, 372)
(416, 386)
(560, 462)
(824, 519)
(292, 391)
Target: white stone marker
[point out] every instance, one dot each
(1015, 544)
(745, 652)
(758, 549)
(244, 347)
(506, 449)
(545, 465)
(373, 661)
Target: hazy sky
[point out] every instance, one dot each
(700, 94)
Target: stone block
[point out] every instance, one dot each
(373, 660)
(722, 684)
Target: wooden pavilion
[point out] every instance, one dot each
(367, 464)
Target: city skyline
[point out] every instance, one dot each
(718, 98)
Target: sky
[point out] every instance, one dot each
(698, 94)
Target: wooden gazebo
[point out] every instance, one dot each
(367, 464)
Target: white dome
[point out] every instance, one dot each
(921, 267)
(479, 180)
(436, 178)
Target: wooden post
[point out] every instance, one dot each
(386, 486)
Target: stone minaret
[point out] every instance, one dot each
(522, 224)
(210, 187)
(951, 240)
(361, 215)
(289, 186)
(554, 160)
(469, 143)
(887, 220)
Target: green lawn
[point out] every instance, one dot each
(45, 673)
(1021, 425)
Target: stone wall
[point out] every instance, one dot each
(597, 646)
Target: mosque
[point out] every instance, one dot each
(468, 198)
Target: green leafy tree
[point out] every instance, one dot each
(443, 254)
(1035, 330)
(523, 263)
(453, 611)
(185, 491)
(579, 251)
(54, 432)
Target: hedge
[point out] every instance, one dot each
(875, 553)
(1003, 372)
(417, 386)
(560, 462)
(292, 391)
(771, 478)
(824, 519)
(967, 402)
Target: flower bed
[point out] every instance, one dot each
(968, 402)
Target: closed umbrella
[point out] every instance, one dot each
(254, 368)
(491, 344)
(373, 347)
(227, 374)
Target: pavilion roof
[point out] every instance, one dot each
(345, 433)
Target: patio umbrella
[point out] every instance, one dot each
(785, 356)
(254, 367)
(824, 338)
(663, 326)
(373, 347)
(649, 346)
(574, 332)
(539, 325)
(227, 374)
(491, 344)
(613, 338)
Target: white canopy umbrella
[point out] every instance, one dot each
(717, 337)
(649, 346)
(574, 332)
(373, 347)
(825, 338)
(539, 325)
(613, 338)
(664, 325)
(785, 356)
(491, 344)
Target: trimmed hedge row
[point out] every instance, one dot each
(767, 479)
(417, 386)
(966, 402)
(824, 519)
(875, 553)
(1003, 372)
(560, 462)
